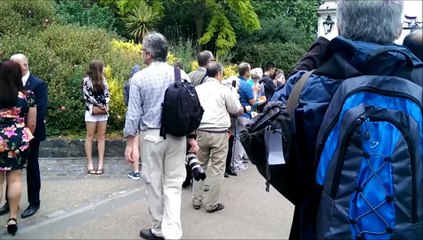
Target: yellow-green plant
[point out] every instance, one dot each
(117, 106)
(194, 65)
(171, 58)
(130, 46)
(230, 70)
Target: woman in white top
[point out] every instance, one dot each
(96, 97)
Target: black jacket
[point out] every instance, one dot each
(40, 89)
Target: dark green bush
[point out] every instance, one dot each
(22, 17)
(284, 55)
(83, 13)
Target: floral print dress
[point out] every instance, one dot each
(14, 134)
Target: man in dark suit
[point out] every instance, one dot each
(39, 87)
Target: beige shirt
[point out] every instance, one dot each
(218, 101)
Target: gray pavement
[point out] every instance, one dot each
(114, 207)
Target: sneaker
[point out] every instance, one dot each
(240, 168)
(217, 208)
(135, 175)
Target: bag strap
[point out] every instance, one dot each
(292, 102)
(202, 80)
(177, 74)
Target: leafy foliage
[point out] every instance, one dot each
(284, 55)
(31, 16)
(301, 13)
(184, 51)
(85, 14)
(141, 19)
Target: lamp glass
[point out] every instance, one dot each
(328, 24)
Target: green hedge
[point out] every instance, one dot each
(60, 54)
(284, 55)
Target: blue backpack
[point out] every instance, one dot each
(370, 150)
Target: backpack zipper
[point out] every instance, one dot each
(366, 119)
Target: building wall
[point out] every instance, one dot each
(411, 8)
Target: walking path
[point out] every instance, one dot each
(113, 206)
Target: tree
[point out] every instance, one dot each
(219, 25)
(211, 22)
(141, 20)
(301, 13)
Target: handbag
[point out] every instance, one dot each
(98, 111)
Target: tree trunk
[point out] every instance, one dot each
(199, 24)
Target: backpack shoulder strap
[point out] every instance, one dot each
(202, 80)
(295, 94)
(177, 74)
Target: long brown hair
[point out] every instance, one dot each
(10, 83)
(95, 72)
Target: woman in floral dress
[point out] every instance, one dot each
(96, 97)
(17, 123)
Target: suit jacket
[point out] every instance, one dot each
(39, 87)
(197, 75)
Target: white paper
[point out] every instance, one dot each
(274, 147)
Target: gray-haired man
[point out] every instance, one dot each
(163, 159)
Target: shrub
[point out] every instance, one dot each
(184, 50)
(284, 55)
(18, 17)
(76, 12)
(230, 70)
(60, 55)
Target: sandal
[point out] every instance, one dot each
(12, 228)
(99, 171)
(92, 171)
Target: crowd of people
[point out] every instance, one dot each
(214, 148)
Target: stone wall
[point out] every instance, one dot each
(66, 158)
(76, 149)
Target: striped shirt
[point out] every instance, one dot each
(146, 96)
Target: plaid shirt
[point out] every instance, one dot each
(146, 96)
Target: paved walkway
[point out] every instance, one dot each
(114, 207)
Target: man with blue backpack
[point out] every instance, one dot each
(352, 133)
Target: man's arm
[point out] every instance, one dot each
(233, 106)
(134, 109)
(41, 100)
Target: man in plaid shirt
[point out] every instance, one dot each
(163, 159)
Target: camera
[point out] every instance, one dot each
(192, 163)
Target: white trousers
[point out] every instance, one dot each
(163, 168)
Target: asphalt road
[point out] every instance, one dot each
(114, 207)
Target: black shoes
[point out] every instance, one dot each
(12, 228)
(4, 209)
(149, 235)
(30, 210)
(231, 172)
(217, 208)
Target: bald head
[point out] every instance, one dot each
(22, 60)
(215, 70)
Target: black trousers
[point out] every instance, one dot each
(229, 156)
(33, 179)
